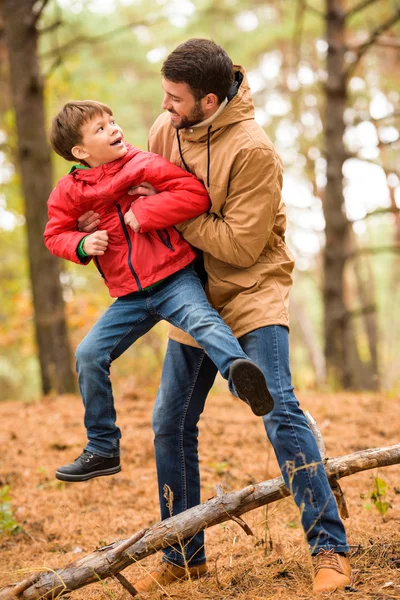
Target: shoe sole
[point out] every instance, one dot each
(103, 472)
(251, 386)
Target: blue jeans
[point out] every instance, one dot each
(187, 377)
(179, 299)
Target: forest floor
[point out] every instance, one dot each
(61, 523)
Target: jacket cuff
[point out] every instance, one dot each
(81, 254)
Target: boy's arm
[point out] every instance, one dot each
(180, 196)
(60, 235)
(249, 213)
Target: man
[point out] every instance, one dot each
(209, 129)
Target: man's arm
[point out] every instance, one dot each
(250, 211)
(180, 196)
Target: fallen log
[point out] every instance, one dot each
(110, 560)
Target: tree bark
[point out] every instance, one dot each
(314, 349)
(110, 560)
(34, 163)
(343, 363)
(365, 282)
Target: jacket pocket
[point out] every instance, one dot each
(165, 238)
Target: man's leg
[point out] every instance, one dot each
(299, 459)
(293, 442)
(188, 375)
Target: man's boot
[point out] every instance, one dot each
(332, 571)
(168, 573)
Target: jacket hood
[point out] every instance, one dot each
(240, 108)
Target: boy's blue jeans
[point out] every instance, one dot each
(187, 377)
(179, 299)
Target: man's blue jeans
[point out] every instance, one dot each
(179, 299)
(187, 377)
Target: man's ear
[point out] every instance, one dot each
(210, 101)
(79, 153)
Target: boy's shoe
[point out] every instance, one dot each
(168, 573)
(251, 387)
(332, 571)
(88, 465)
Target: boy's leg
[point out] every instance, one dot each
(181, 300)
(122, 324)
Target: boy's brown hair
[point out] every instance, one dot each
(65, 132)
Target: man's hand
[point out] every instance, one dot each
(96, 243)
(88, 222)
(144, 189)
(132, 221)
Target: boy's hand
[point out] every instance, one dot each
(144, 189)
(132, 221)
(96, 243)
(88, 222)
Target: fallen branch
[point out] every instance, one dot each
(110, 560)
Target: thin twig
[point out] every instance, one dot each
(126, 584)
(91, 40)
(362, 49)
(388, 43)
(38, 13)
(359, 7)
(242, 524)
(126, 544)
(238, 520)
(316, 433)
(376, 250)
(51, 27)
(377, 212)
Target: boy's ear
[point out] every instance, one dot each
(79, 153)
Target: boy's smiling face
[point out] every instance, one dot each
(102, 141)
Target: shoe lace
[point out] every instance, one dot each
(328, 559)
(86, 456)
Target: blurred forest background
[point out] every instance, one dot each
(325, 76)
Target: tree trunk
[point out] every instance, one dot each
(342, 358)
(35, 167)
(311, 341)
(110, 560)
(364, 277)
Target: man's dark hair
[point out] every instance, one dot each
(203, 65)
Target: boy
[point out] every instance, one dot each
(145, 264)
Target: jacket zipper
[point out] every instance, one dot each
(97, 263)
(166, 242)
(128, 241)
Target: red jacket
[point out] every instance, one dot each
(132, 260)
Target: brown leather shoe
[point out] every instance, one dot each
(166, 574)
(331, 571)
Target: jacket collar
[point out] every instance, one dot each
(95, 174)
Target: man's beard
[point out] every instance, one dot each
(196, 116)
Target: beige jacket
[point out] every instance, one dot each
(248, 263)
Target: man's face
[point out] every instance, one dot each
(179, 101)
(102, 141)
